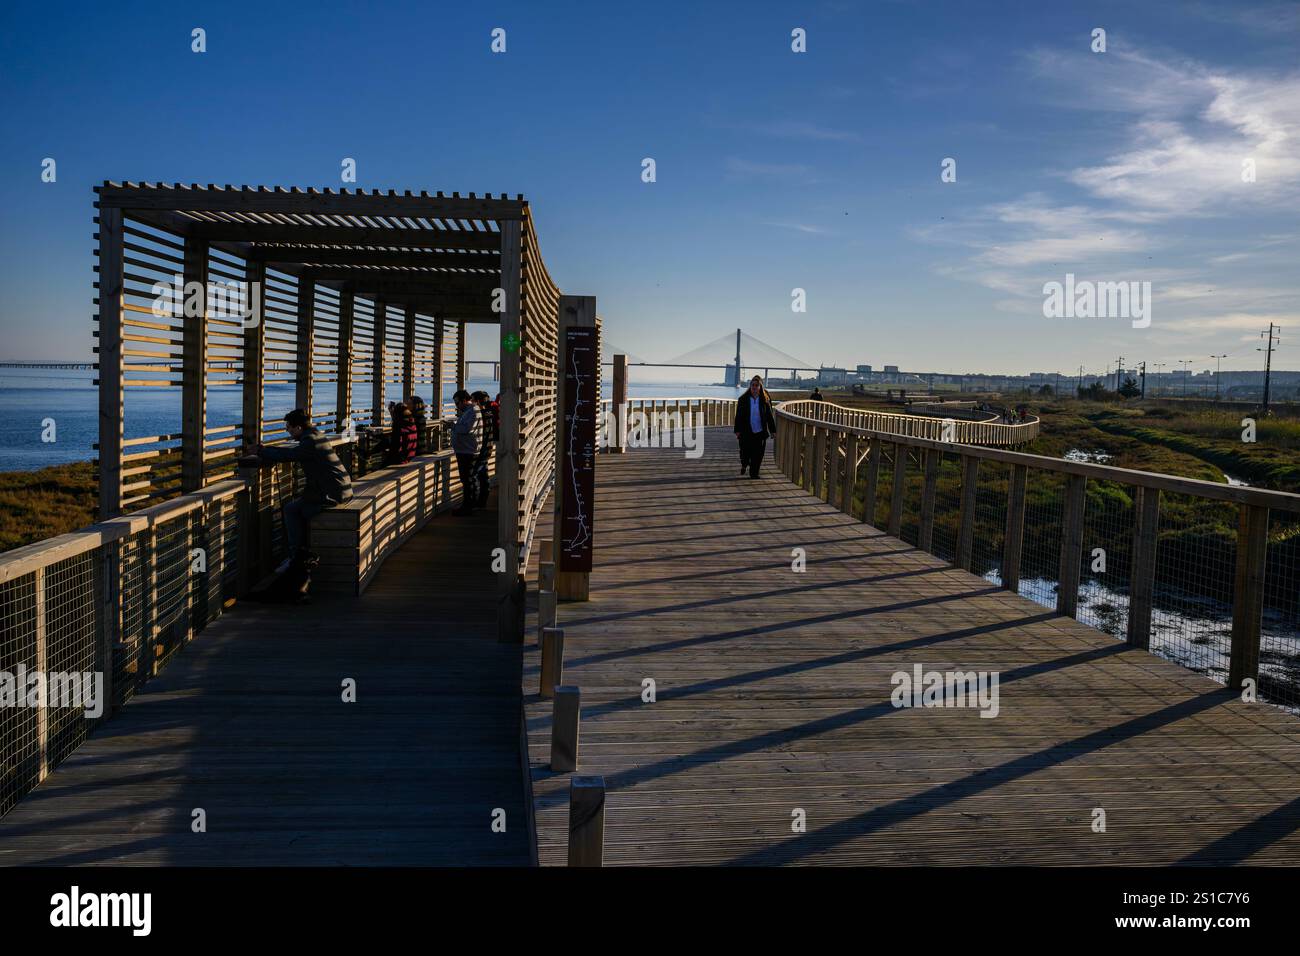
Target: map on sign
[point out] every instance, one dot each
(578, 475)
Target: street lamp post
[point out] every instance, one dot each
(1218, 368)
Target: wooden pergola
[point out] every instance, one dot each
(359, 292)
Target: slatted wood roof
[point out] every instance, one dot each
(433, 252)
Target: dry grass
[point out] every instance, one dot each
(41, 504)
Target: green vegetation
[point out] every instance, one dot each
(41, 504)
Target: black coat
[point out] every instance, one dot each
(765, 416)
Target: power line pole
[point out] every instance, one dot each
(737, 381)
(1119, 370)
(1143, 366)
(1268, 359)
(1218, 370)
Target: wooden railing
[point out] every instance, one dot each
(1113, 547)
(658, 413)
(961, 431)
(114, 599)
(120, 597)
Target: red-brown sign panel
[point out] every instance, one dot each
(578, 453)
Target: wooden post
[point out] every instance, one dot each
(617, 404)
(1013, 542)
(1067, 594)
(378, 407)
(546, 602)
(110, 363)
(587, 821)
(565, 710)
(819, 461)
(804, 479)
(194, 367)
(850, 482)
(460, 326)
(966, 534)
(925, 536)
(439, 359)
(832, 465)
(1142, 565)
(343, 397)
(41, 638)
(110, 613)
(408, 352)
(576, 312)
(510, 608)
(896, 490)
(304, 371)
(552, 654)
(1248, 594)
(873, 479)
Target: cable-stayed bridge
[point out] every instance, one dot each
(734, 353)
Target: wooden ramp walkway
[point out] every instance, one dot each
(773, 695)
(248, 724)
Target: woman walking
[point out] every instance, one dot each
(754, 424)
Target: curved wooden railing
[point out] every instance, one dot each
(962, 431)
(1138, 545)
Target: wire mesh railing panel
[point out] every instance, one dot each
(72, 629)
(171, 584)
(133, 590)
(913, 487)
(884, 485)
(947, 508)
(1191, 615)
(1279, 646)
(1040, 550)
(19, 734)
(1106, 560)
(990, 519)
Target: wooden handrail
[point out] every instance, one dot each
(1232, 494)
(965, 431)
(802, 464)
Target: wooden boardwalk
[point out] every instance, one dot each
(249, 725)
(773, 695)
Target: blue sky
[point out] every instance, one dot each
(775, 170)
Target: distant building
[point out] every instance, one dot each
(891, 369)
(833, 376)
(864, 369)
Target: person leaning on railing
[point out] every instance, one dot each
(327, 482)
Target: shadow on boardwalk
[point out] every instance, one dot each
(248, 724)
(773, 696)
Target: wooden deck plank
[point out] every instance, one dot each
(248, 723)
(773, 694)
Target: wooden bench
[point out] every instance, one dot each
(386, 508)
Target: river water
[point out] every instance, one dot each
(32, 398)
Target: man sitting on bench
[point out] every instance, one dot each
(327, 482)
